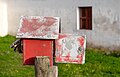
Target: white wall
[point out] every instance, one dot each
(106, 18)
(3, 19)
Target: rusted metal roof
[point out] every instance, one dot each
(38, 27)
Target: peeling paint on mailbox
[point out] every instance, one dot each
(70, 49)
(38, 27)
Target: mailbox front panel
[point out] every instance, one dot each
(33, 47)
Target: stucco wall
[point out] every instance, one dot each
(3, 18)
(106, 18)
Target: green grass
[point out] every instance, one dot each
(97, 64)
(11, 62)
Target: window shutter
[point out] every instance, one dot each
(85, 17)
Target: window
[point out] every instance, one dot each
(85, 14)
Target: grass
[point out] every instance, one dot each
(97, 64)
(11, 62)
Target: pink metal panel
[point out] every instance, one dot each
(35, 47)
(38, 27)
(70, 49)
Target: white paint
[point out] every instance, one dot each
(84, 49)
(78, 19)
(3, 19)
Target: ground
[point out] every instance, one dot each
(97, 64)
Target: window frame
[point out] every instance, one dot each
(86, 19)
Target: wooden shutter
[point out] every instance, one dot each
(85, 17)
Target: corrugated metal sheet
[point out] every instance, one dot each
(70, 49)
(38, 27)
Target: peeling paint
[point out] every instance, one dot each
(70, 49)
(38, 27)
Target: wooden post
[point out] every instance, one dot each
(53, 72)
(43, 69)
(42, 65)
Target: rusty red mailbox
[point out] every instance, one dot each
(37, 34)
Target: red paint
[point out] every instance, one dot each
(49, 21)
(32, 24)
(81, 40)
(27, 26)
(58, 59)
(38, 27)
(67, 58)
(34, 47)
(63, 35)
(75, 54)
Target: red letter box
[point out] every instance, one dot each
(37, 35)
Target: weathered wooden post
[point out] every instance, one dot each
(43, 69)
(42, 65)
